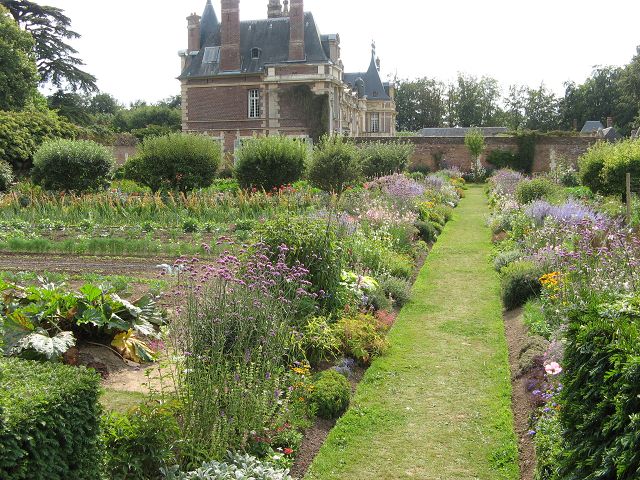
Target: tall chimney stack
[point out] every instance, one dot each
(296, 36)
(230, 48)
(274, 10)
(609, 122)
(194, 32)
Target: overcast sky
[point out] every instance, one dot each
(131, 46)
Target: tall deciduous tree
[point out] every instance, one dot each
(18, 74)
(56, 60)
(420, 104)
(477, 101)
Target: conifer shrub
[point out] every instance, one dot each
(270, 162)
(331, 394)
(72, 166)
(334, 165)
(180, 162)
(49, 421)
(378, 159)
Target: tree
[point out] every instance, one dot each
(515, 103)
(420, 104)
(474, 140)
(18, 74)
(105, 104)
(541, 109)
(73, 106)
(55, 59)
(475, 101)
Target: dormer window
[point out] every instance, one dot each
(255, 53)
(375, 94)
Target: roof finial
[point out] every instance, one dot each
(373, 48)
(286, 8)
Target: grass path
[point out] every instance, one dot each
(438, 405)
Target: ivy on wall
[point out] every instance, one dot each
(314, 109)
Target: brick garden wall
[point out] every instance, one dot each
(453, 152)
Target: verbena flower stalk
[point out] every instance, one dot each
(234, 341)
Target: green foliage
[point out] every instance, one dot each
(549, 447)
(41, 322)
(520, 282)
(314, 109)
(141, 118)
(398, 289)
(18, 76)
(601, 407)
(505, 258)
(237, 466)
(50, 28)
(334, 164)
(474, 141)
(312, 243)
(503, 159)
(330, 395)
(535, 319)
(22, 133)
(6, 176)
(319, 341)
(363, 337)
(420, 104)
(72, 165)
(428, 232)
(619, 159)
(270, 162)
(139, 444)
(378, 159)
(528, 191)
(49, 422)
(178, 161)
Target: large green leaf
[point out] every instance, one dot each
(16, 327)
(40, 344)
(91, 292)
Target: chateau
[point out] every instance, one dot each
(278, 75)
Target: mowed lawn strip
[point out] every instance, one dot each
(438, 405)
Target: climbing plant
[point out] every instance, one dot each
(313, 109)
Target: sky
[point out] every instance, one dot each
(132, 46)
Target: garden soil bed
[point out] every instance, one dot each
(82, 264)
(523, 407)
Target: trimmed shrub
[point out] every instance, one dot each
(520, 282)
(331, 394)
(312, 243)
(536, 189)
(378, 159)
(22, 133)
(178, 161)
(601, 395)
(49, 421)
(72, 165)
(591, 164)
(334, 165)
(6, 176)
(270, 162)
(397, 289)
(139, 444)
(363, 337)
(624, 158)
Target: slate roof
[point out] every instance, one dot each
(611, 134)
(592, 126)
(209, 25)
(460, 131)
(373, 87)
(271, 36)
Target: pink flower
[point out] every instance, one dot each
(553, 368)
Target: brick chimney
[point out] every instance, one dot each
(296, 36)
(194, 32)
(230, 48)
(609, 122)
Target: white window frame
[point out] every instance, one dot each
(374, 122)
(254, 103)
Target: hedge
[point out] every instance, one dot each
(49, 422)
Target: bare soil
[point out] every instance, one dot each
(82, 264)
(523, 407)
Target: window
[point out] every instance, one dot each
(254, 103)
(255, 53)
(375, 123)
